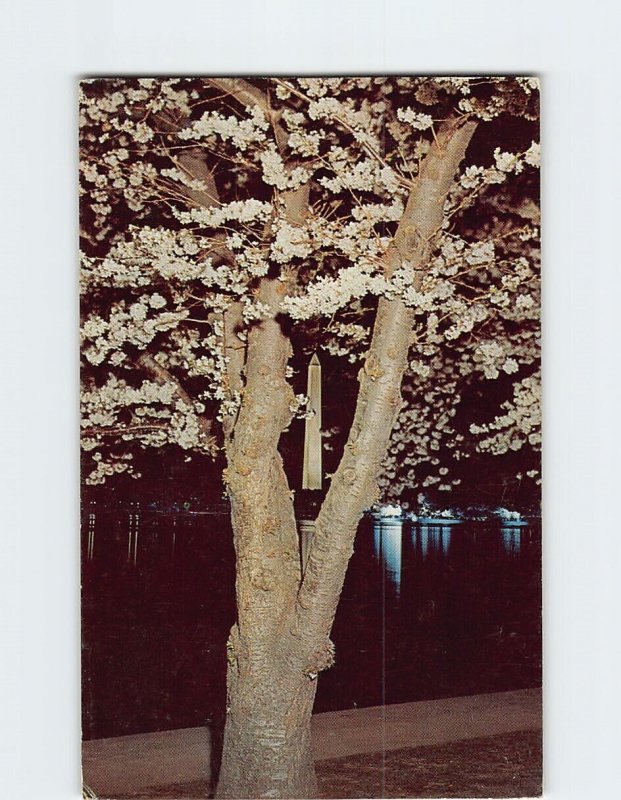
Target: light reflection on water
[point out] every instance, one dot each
(426, 611)
(512, 539)
(434, 536)
(445, 534)
(387, 536)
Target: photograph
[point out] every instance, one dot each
(310, 434)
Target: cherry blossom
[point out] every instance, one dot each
(193, 193)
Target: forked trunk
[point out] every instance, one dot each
(267, 745)
(280, 643)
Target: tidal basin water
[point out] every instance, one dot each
(426, 612)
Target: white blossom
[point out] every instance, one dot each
(418, 121)
(533, 155)
(158, 270)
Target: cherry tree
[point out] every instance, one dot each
(390, 222)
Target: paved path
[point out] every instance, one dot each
(128, 764)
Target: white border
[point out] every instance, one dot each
(46, 46)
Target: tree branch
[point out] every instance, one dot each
(119, 430)
(354, 485)
(368, 148)
(192, 161)
(266, 545)
(249, 95)
(235, 353)
(268, 570)
(162, 376)
(195, 165)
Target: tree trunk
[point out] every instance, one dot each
(267, 742)
(271, 678)
(280, 642)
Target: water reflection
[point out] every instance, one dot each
(90, 547)
(387, 537)
(424, 540)
(132, 538)
(434, 537)
(445, 538)
(512, 540)
(419, 616)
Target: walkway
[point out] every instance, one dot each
(129, 765)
